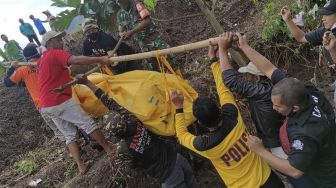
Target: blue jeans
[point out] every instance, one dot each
(182, 175)
(302, 182)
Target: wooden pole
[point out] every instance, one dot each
(8, 64)
(210, 16)
(75, 80)
(173, 50)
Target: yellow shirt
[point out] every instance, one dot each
(233, 160)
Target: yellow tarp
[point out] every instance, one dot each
(144, 93)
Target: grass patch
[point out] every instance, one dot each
(26, 166)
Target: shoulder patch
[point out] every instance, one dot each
(298, 145)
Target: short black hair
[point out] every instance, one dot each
(292, 92)
(206, 111)
(2, 35)
(30, 52)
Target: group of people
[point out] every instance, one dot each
(28, 31)
(295, 123)
(12, 49)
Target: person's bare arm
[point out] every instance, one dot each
(329, 43)
(297, 33)
(143, 24)
(281, 165)
(224, 43)
(84, 60)
(82, 79)
(260, 61)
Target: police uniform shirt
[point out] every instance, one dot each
(226, 147)
(312, 141)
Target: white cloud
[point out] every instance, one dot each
(12, 10)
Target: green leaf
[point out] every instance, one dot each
(150, 4)
(64, 19)
(66, 3)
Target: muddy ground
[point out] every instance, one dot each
(23, 134)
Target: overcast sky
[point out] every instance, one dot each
(12, 10)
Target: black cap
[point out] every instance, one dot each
(328, 9)
(30, 52)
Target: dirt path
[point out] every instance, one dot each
(21, 127)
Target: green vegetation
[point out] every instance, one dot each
(273, 25)
(64, 18)
(26, 166)
(103, 11)
(150, 4)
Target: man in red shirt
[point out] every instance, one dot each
(27, 75)
(64, 111)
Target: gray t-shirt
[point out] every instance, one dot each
(316, 37)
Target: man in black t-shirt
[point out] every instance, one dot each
(315, 37)
(308, 134)
(151, 153)
(98, 43)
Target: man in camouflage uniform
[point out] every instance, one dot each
(134, 22)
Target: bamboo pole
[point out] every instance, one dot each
(173, 50)
(8, 64)
(75, 80)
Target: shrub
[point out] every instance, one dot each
(26, 166)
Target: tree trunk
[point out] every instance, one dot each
(210, 16)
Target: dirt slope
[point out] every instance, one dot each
(23, 134)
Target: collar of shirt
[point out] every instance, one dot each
(99, 36)
(300, 118)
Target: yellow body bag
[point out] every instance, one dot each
(144, 93)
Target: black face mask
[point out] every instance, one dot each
(93, 36)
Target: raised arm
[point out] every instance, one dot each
(183, 135)
(224, 93)
(260, 61)
(225, 42)
(329, 43)
(298, 34)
